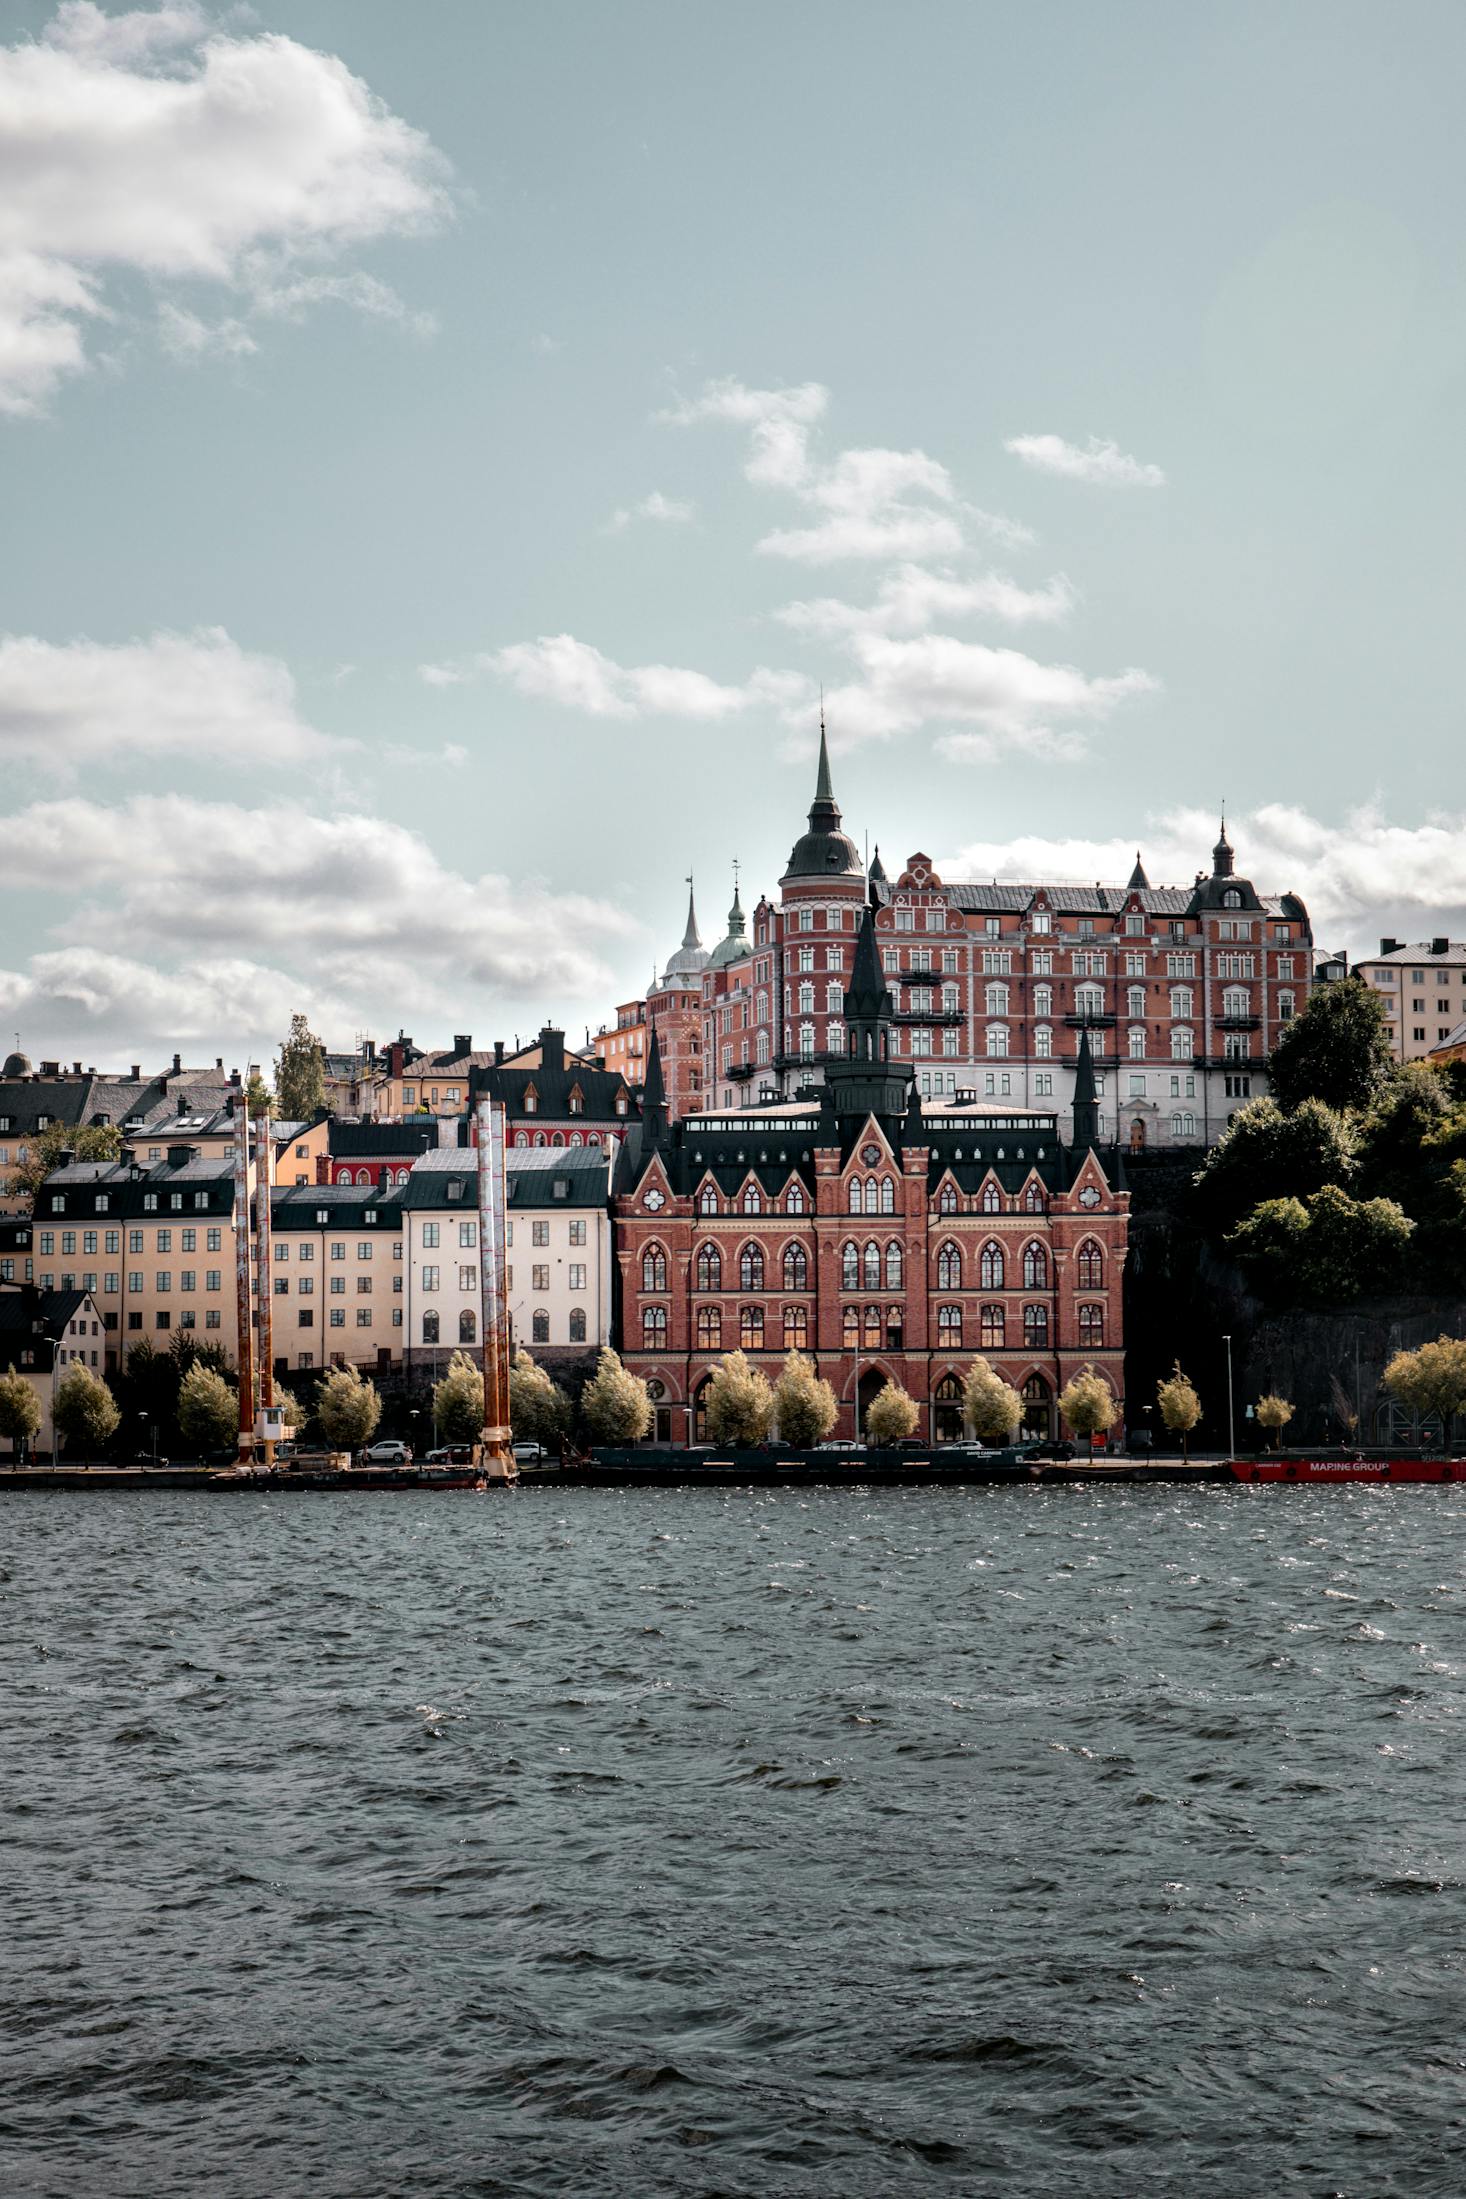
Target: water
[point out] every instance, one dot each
(990, 1841)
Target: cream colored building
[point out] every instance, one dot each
(1423, 991)
(558, 1252)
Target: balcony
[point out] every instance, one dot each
(929, 1015)
(740, 1072)
(1104, 1022)
(1239, 1023)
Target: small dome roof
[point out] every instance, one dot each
(16, 1065)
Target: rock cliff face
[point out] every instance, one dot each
(1181, 1300)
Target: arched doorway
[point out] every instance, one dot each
(947, 1398)
(1038, 1422)
(700, 1410)
(1137, 1136)
(872, 1382)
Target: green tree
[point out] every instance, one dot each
(347, 1408)
(1431, 1380)
(1273, 1413)
(804, 1403)
(1179, 1403)
(83, 1410)
(84, 1141)
(1088, 1405)
(891, 1415)
(20, 1408)
(740, 1403)
(1337, 1050)
(208, 1409)
(993, 1407)
(1265, 1154)
(300, 1074)
(539, 1410)
(258, 1098)
(616, 1406)
(1323, 1250)
(458, 1401)
(292, 1412)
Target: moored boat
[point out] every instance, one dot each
(1308, 1471)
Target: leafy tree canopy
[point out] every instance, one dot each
(1266, 1154)
(1273, 1412)
(1323, 1250)
(208, 1409)
(740, 1403)
(616, 1406)
(1337, 1050)
(300, 1074)
(20, 1408)
(258, 1098)
(1180, 1406)
(805, 1404)
(992, 1406)
(1432, 1379)
(539, 1410)
(100, 1141)
(891, 1415)
(1088, 1404)
(83, 1410)
(347, 1408)
(458, 1401)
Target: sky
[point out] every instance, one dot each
(443, 453)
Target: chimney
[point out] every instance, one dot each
(137, 1072)
(1440, 946)
(234, 1078)
(66, 1156)
(218, 1061)
(1389, 946)
(182, 1106)
(177, 1064)
(127, 1156)
(50, 1068)
(498, 1053)
(552, 1047)
(462, 1044)
(76, 1068)
(179, 1156)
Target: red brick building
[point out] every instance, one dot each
(888, 1236)
(1183, 990)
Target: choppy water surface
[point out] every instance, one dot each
(997, 1841)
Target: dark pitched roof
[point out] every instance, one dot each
(33, 1312)
(362, 1140)
(346, 1206)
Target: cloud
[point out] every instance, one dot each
(1009, 696)
(910, 598)
(66, 706)
(778, 421)
(232, 915)
(666, 510)
(1104, 464)
(867, 503)
(185, 336)
(557, 668)
(155, 144)
(1358, 878)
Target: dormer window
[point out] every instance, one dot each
(577, 1100)
(1231, 899)
(531, 1100)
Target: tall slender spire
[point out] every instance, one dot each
(824, 790)
(1138, 879)
(691, 937)
(824, 851)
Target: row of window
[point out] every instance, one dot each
(111, 1240)
(432, 1326)
(868, 1268)
(873, 1329)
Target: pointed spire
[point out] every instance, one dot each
(878, 869)
(654, 1094)
(867, 997)
(1221, 854)
(824, 790)
(1138, 880)
(691, 937)
(1086, 1096)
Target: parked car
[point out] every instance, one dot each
(529, 1454)
(450, 1454)
(389, 1452)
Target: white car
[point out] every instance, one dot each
(389, 1452)
(529, 1454)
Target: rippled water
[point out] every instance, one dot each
(1015, 1841)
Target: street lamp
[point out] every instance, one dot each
(1231, 1423)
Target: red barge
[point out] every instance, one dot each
(1307, 1471)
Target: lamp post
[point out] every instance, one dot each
(1231, 1423)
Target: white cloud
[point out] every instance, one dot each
(157, 144)
(82, 703)
(1358, 879)
(1104, 464)
(910, 598)
(185, 336)
(778, 421)
(668, 511)
(1006, 694)
(557, 668)
(246, 909)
